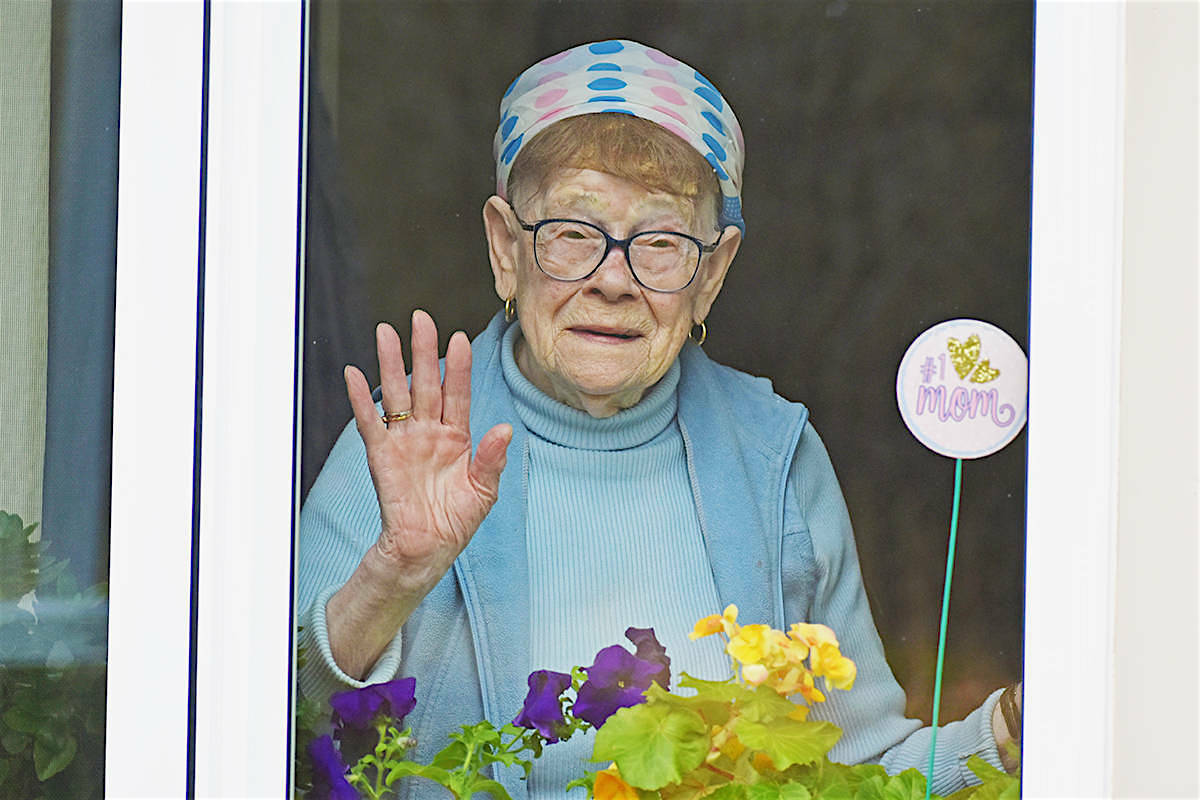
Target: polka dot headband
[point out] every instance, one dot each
(629, 78)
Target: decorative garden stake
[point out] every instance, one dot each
(962, 389)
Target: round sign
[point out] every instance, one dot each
(962, 388)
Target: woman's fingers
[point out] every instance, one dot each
(370, 427)
(489, 461)
(392, 377)
(426, 377)
(456, 388)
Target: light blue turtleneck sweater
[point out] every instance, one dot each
(609, 497)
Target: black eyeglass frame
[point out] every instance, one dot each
(609, 243)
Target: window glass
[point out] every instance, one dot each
(887, 189)
(58, 146)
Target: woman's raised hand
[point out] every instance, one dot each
(432, 494)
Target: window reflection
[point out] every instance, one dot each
(59, 67)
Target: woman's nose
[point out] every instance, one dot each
(613, 278)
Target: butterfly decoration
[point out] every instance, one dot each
(965, 358)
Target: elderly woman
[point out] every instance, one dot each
(619, 477)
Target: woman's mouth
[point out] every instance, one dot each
(603, 333)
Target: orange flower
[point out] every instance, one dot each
(609, 786)
(716, 623)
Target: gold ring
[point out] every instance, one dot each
(396, 416)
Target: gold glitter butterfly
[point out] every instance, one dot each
(965, 358)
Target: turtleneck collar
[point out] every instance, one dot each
(559, 423)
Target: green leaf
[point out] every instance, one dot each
(983, 770)
(51, 756)
(14, 742)
(482, 784)
(450, 756)
(5, 768)
(908, 785)
(21, 720)
(726, 691)
(765, 704)
(786, 791)
(871, 788)
(713, 711)
(730, 791)
(404, 769)
(652, 744)
(788, 741)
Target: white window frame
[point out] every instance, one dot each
(257, 70)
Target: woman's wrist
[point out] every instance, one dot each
(365, 615)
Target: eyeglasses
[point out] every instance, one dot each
(572, 250)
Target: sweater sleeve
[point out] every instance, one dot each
(338, 524)
(871, 714)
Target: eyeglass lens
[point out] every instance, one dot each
(570, 250)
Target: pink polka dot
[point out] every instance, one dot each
(675, 129)
(550, 114)
(660, 57)
(670, 113)
(550, 76)
(549, 98)
(555, 57)
(660, 74)
(669, 94)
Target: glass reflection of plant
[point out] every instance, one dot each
(51, 684)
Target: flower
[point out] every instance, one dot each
(754, 674)
(716, 623)
(609, 786)
(750, 644)
(617, 679)
(329, 773)
(650, 649)
(543, 707)
(357, 708)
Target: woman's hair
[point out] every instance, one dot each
(621, 145)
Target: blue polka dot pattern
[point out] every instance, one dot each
(712, 97)
(604, 48)
(511, 150)
(717, 166)
(606, 84)
(718, 151)
(714, 120)
(507, 126)
(512, 86)
(622, 76)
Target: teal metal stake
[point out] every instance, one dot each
(941, 656)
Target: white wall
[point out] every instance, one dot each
(1155, 711)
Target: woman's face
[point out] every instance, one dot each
(599, 343)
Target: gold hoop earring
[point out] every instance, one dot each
(510, 310)
(699, 340)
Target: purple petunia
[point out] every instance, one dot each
(357, 708)
(650, 649)
(617, 679)
(329, 773)
(543, 704)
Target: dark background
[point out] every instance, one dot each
(887, 188)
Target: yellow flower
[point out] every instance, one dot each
(839, 671)
(813, 634)
(609, 786)
(716, 623)
(749, 644)
(755, 674)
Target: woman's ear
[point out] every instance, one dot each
(503, 236)
(712, 273)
